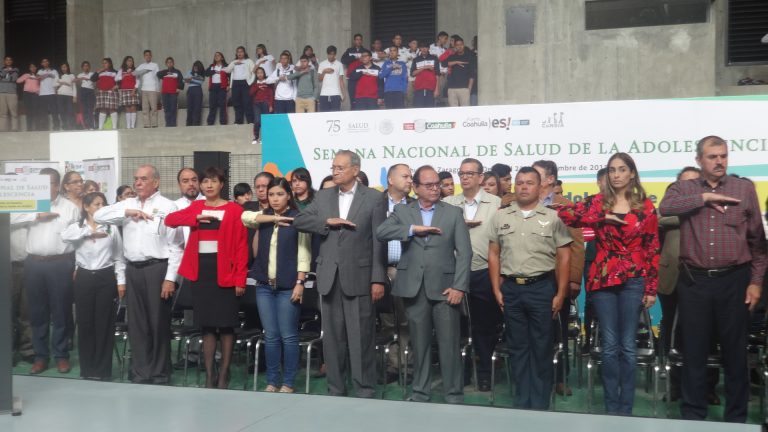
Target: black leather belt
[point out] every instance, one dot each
(147, 263)
(272, 283)
(716, 272)
(523, 280)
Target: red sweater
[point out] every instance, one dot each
(232, 257)
(262, 92)
(128, 81)
(106, 80)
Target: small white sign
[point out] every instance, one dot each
(25, 193)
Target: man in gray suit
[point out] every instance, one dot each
(351, 272)
(432, 278)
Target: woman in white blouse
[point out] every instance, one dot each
(99, 280)
(242, 75)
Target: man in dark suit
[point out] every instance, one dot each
(432, 278)
(351, 272)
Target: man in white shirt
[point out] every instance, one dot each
(48, 271)
(150, 89)
(331, 76)
(479, 210)
(153, 253)
(48, 104)
(285, 90)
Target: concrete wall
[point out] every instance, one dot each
(727, 76)
(458, 17)
(85, 32)
(567, 63)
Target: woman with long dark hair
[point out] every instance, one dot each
(492, 183)
(242, 71)
(218, 84)
(215, 260)
(31, 97)
(301, 183)
(264, 60)
(625, 273)
(107, 99)
(195, 79)
(99, 279)
(66, 97)
(128, 90)
(280, 266)
(72, 187)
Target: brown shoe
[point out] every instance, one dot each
(562, 390)
(63, 366)
(39, 366)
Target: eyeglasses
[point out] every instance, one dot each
(430, 186)
(468, 173)
(338, 168)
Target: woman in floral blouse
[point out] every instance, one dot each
(624, 276)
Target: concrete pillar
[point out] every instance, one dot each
(85, 32)
(2, 27)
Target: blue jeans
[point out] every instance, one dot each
(280, 318)
(618, 314)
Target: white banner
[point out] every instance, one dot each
(28, 167)
(660, 135)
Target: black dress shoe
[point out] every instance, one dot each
(484, 385)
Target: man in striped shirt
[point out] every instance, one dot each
(723, 261)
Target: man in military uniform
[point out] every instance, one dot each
(528, 259)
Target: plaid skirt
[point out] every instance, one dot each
(106, 100)
(128, 97)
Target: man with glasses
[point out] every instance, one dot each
(433, 276)
(351, 273)
(153, 254)
(479, 209)
(48, 277)
(260, 184)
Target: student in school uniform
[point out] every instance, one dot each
(171, 82)
(106, 93)
(128, 90)
(30, 96)
(48, 104)
(241, 72)
(330, 73)
(66, 97)
(263, 97)
(86, 94)
(369, 92)
(195, 79)
(285, 88)
(218, 85)
(425, 70)
(394, 72)
(264, 60)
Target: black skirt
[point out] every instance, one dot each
(214, 306)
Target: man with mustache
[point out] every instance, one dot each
(723, 260)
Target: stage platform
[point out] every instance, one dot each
(85, 406)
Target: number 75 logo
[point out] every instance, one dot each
(334, 126)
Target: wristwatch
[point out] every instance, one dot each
(300, 281)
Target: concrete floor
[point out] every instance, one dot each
(84, 406)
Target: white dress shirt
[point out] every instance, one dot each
(345, 201)
(19, 242)
(96, 254)
(330, 84)
(144, 240)
(147, 73)
(471, 206)
(44, 238)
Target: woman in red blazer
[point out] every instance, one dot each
(216, 261)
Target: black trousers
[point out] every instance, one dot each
(32, 110)
(259, 109)
(88, 102)
(330, 103)
(194, 105)
(241, 100)
(423, 99)
(363, 104)
(487, 319)
(284, 107)
(668, 310)
(95, 293)
(149, 329)
(563, 367)
(217, 102)
(705, 301)
(66, 111)
(49, 106)
(394, 100)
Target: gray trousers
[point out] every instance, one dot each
(424, 315)
(149, 323)
(149, 108)
(387, 321)
(349, 326)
